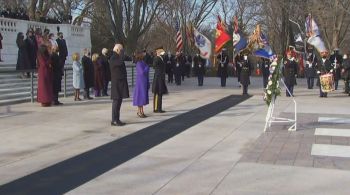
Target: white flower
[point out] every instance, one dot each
(269, 83)
(278, 84)
(273, 68)
(269, 92)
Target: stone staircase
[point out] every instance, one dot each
(14, 89)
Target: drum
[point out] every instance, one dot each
(327, 82)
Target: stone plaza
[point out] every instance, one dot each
(210, 141)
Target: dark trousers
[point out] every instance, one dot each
(322, 94)
(336, 82)
(183, 77)
(245, 89)
(178, 79)
(87, 93)
(105, 88)
(290, 88)
(157, 102)
(347, 87)
(116, 109)
(55, 96)
(265, 80)
(170, 77)
(223, 81)
(310, 82)
(200, 79)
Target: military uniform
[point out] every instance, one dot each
(199, 68)
(346, 74)
(222, 68)
(336, 60)
(310, 70)
(265, 70)
(290, 71)
(159, 87)
(245, 75)
(179, 68)
(170, 62)
(323, 66)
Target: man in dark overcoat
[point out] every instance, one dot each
(159, 87)
(119, 83)
(62, 49)
(88, 68)
(265, 70)
(170, 62)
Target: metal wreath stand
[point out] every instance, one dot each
(270, 118)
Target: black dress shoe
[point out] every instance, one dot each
(117, 123)
(57, 103)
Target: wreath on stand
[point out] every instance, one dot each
(272, 89)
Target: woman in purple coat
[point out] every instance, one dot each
(142, 85)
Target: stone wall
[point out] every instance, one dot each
(77, 37)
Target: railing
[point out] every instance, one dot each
(68, 70)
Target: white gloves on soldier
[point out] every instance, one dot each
(318, 72)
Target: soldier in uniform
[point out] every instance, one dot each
(245, 74)
(159, 87)
(346, 72)
(265, 69)
(169, 60)
(178, 67)
(336, 60)
(310, 69)
(238, 65)
(290, 71)
(323, 66)
(199, 68)
(222, 66)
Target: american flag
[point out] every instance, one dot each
(178, 36)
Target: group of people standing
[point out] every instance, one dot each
(41, 51)
(178, 66)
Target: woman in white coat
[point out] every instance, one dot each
(78, 77)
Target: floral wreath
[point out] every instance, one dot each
(272, 88)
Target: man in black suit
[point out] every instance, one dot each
(62, 49)
(222, 67)
(159, 87)
(119, 83)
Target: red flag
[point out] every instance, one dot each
(221, 36)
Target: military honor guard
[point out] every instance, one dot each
(159, 87)
(199, 68)
(290, 71)
(265, 69)
(170, 63)
(310, 69)
(222, 59)
(346, 73)
(336, 61)
(245, 74)
(323, 67)
(178, 67)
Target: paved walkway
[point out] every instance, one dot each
(227, 153)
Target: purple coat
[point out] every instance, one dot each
(142, 84)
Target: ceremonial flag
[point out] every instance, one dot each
(221, 35)
(263, 48)
(295, 37)
(239, 42)
(189, 34)
(178, 36)
(202, 43)
(313, 32)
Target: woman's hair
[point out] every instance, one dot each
(29, 30)
(75, 56)
(20, 38)
(104, 51)
(43, 50)
(95, 57)
(51, 35)
(139, 55)
(38, 31)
